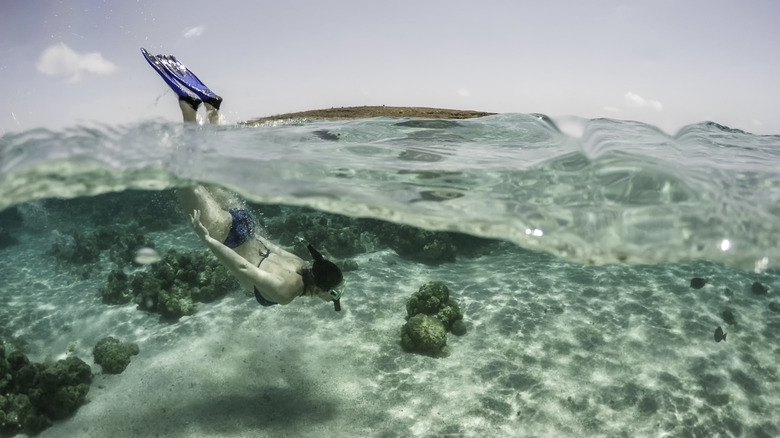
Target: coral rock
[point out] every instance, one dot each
(431, 298)
(113, 355)
(424, 334)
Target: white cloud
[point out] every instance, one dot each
(194, 32)
(612, 109)
(637, 101)
(61, 60)
(463, 92)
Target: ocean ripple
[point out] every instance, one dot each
(622, 192)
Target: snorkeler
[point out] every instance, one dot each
(275, 275)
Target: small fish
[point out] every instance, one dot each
(698, 283)
(758, 288)
(719, 335)
(147, 256)
(728, 316)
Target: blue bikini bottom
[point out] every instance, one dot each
(242, 228)
(263, 301)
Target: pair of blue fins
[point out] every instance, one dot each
(182, 81)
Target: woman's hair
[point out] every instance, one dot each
(326, 274)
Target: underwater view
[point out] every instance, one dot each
(508, 275)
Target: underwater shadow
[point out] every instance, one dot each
(237, 397)
(277, 410)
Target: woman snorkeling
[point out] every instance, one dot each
(275, 275)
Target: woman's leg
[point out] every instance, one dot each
(213, 216)
(225, 198)
(212, 112)
(189, 109)
(214, 205)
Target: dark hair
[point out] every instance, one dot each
(326, 274)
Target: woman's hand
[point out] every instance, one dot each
(200, 230)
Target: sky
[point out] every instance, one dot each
(665, 62)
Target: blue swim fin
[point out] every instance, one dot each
(160, 69)
(176, 75)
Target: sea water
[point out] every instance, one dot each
(581, 319)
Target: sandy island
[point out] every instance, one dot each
(364, 112)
